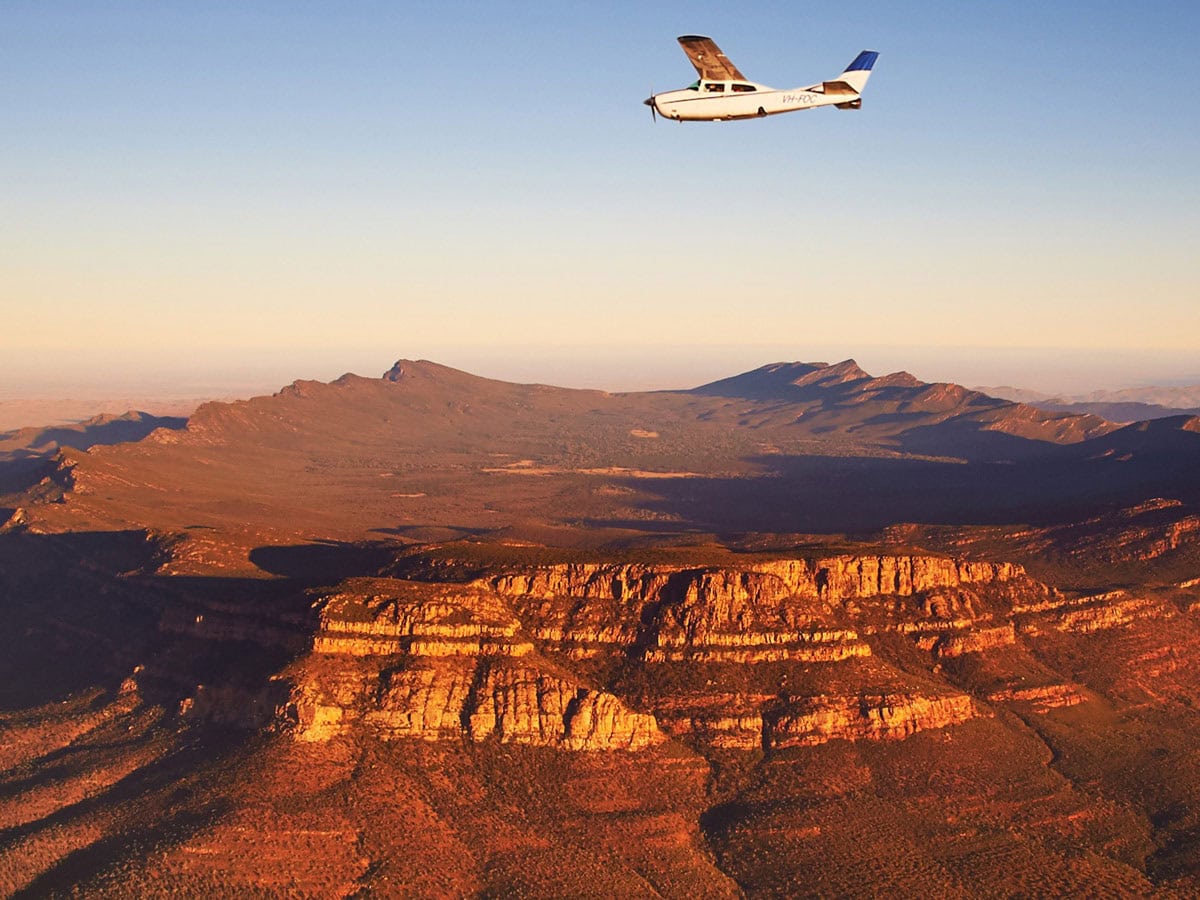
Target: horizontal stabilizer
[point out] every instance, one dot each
(856, 103)
(838, 87)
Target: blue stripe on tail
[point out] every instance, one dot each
(864, 61)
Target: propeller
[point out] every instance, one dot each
(649, 101)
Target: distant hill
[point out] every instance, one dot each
(1126, 405)
(24, 453)
(788, 447)
(17, 412)
(940, 418)
(101, 429)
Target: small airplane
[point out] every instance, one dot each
(724, 93)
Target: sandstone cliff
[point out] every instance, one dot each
(496, 656)
(441, 662)
(787, 609)
(832, 579)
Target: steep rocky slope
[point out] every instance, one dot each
(488, 655)
(432, 454)
(759, 707)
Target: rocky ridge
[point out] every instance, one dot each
(448, 661)
(520, 654)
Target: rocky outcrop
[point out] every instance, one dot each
(422, 700)
(436, 662)
(13, 520)
(727, 590)
(476, 660)
(1092, 612)
(766, 611)
(525, 706)
(478, 700)
(1041, 698)
(809, 721)
(233, 705)
(724, 731)
(842, 578)
(976, 641)
(749, 722)
(377, 617)
(1144, 533)
(818, 645)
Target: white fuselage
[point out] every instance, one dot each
(711, 101)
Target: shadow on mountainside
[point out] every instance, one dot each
(973, 442)
(26, 455)
(823, 495)
(148, 819)
(101, 430)
(124, 694)
(322, 562)
(84, 610)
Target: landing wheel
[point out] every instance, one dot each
(761, 111)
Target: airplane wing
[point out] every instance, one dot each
(708, 59)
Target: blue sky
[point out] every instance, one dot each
(320, 187)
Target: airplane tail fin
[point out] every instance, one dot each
(855, 77)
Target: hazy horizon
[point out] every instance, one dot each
(310, 190)
(661, 367)
(89, 384)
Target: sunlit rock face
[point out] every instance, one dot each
(440, 662)
(815, 720)
(492, 657)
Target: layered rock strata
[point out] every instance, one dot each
(1042, 698)
(773, 610)
(491, 657)
(833, 579)
(447, 662)
(1081, 615)
(815, 720)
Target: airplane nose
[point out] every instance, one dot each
(649, 101)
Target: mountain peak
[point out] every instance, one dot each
(845, 372)
(800, 381)
(419, 369)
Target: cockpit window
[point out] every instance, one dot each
(714, 88)
(694, 86)
(742, 88)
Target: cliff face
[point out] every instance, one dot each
(443, 699)
(372, 618)
(833, 579)
(437, 662)
(773, 653)
(823, 678)
(768, 611)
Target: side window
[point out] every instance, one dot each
(743, 88)
(715, 88)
